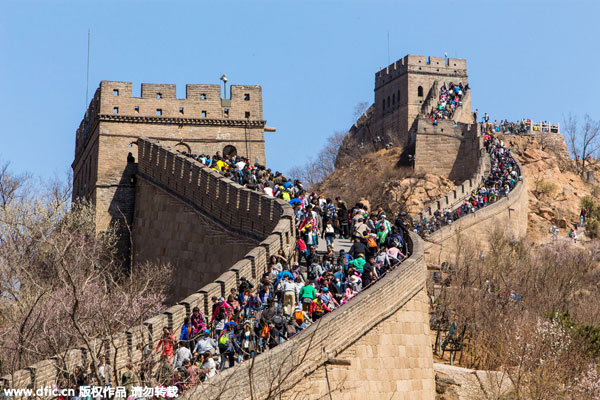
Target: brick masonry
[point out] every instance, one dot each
(404, 90)
(202, 122)
(447, 150)
(168, 231)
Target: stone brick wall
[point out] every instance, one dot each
(508, 214)
(166, 230)
(461, 192)
(447, 150)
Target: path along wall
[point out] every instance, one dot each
(508, 214)
(377, 345)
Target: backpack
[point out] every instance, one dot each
(278, 320)
(319, 310)
(330, 212)
(299, 316)
(224, 339)
(371, 242)
(265, 332)
(312, 272)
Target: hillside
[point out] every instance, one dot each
(555, 189)
(554, 186)
(378, 178)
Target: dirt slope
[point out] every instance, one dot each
(554, 186)
(379, 179)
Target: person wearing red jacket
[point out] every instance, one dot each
(221, 304)
(317, 309)
(166, 343)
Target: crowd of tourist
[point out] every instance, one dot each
(522, 127)
(450, 99)
(290, 296)
(295, 291)
(503, 177)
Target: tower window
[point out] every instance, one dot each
(247, 114)
(420, 91)
(203, 96)
(247, 96)
(137, 109)
(159, 95)
(115, 92)
(203, 114)
(226, 112)
(180, 110)
(159, 111)
(115, 110)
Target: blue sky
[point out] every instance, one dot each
(314, 59)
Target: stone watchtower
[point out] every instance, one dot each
(405, 92)
(409, 87)
(104, 167)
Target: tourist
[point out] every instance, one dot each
(165, 344)
(205, 344)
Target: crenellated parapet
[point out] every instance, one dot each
(450, 67)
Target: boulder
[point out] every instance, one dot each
(546, 212)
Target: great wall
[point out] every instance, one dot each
(177, 199)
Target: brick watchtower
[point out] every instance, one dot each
(202, 122)
(404, 89)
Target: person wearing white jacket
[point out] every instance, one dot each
(288, 290)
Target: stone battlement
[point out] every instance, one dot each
(421, 64)
(158, 103)
(199, 98)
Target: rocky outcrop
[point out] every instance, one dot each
(556, 188)
(380, 179)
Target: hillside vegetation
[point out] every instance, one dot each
(379, 179)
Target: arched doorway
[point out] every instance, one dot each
(229, 150)
(183, 148)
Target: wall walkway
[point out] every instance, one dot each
(378, 343)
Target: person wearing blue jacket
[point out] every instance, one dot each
(186, 332)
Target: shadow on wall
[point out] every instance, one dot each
(466, 160)
(121, 209)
